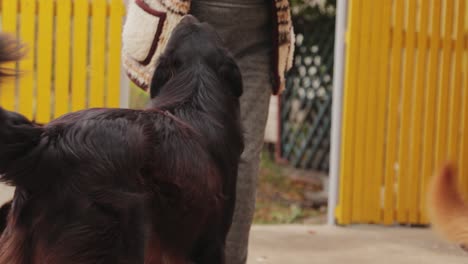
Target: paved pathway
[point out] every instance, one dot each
(315, 244)
(351, 245)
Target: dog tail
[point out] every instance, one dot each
(10, 51)
(18, 137)
(448, 211)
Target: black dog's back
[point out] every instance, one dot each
(76, 192)
(84, 163)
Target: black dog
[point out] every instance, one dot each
(131, 186)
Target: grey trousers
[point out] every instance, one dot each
(246, 30)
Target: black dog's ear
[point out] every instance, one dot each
(231, 73)
(162, 74)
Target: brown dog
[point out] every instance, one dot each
(447, 209)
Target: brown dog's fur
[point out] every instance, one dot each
(124, 186)
(447, 210)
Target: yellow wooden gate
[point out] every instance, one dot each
(73, 55)
(405, 108)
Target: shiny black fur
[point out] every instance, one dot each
(131, 186)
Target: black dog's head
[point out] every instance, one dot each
(194, 49)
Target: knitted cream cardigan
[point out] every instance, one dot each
(149, 25)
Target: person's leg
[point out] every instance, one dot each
(247, 33)
(254, 112)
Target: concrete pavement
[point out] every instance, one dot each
(315, 244)
(350, 245)
(5, 193)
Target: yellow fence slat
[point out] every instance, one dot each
(430, 107)
(98, 37)
(444, 87)
(348, 135)
(464, 114)
(27, 80)
(9, 25)
(404, 187)
(456, 95)
(80, 53)
(382, 95)
(44, 60)
(372, 180)
(464, 140)
(455, 100)
(417, 121)
(117, 10)
(62, 58)
(361, 104)
(392, 122)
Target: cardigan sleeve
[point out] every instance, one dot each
(284, 42)
(146, 31)
(149, 24)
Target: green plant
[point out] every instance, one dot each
(138, 97)
(310, 8)
(279, 199)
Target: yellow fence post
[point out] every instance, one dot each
(362, 93)
(373, 177)
(464, 114)
(405, 186)
(44, 60)
(347, 160)
(382, 92)
(98, 40)
(391, 169)
(430, 108)
(414, 167)
(455, 112)
(62, 58)
(27, 81)
(113, 83)
(9, 16)
(444, 86)
(80, 54)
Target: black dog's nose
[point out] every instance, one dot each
(189, 19)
